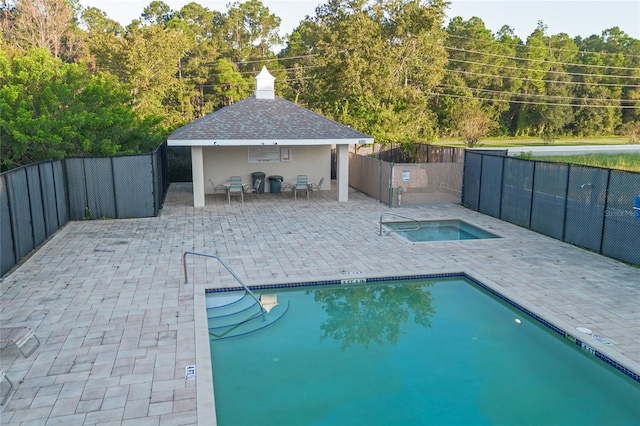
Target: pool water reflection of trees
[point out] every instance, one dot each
(373, 314)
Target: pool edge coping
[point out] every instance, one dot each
(498, 235)
(205, 388)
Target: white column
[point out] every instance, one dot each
(197, 174)
(342, 172)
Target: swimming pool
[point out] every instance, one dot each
(421, 351)
(437, 230)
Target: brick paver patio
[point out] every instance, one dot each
(118, 326)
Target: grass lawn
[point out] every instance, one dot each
(627, 161)
(497, 143)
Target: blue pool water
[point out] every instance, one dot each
(415, 352)
(438, 230)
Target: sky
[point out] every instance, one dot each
(574, 17)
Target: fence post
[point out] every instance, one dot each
(533, 187)
(113, 185)
(391, 165)
(480, 182)
(380, 179)
(604, 213)
(566, 203)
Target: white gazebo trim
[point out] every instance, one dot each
(260, 142)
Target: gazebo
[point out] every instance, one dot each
(265, 133)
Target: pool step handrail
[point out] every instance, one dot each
(398, 215)
(213, 256)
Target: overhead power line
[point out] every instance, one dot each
(546, 71)
(534, 95)
(448, 95)
(544, 80)
(518, 58)
(546, 48)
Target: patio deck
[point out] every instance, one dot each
(106, 298)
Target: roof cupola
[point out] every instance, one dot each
(265, 85)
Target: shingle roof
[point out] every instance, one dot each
(265, 119)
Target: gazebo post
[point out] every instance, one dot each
(197, 170)
(342, 171)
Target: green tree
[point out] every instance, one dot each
(632, 131)
(472, 122)
(156, 13)
(50, 109)
(482, 66)
(229, 85)
(250, 30)
(376, 65)
(202, 29)
(298, 58)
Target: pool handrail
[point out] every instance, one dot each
(186, 278)
(398, 230)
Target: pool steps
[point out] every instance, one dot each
(236, 314)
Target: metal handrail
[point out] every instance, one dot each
(186, 278)
(398, 215)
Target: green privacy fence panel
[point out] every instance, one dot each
(590, 207)
(7, 250)
(135, 194)
(586, 198)
(117, 187)
(19, 214)
(471, 181)
(491, 185)
(621, 236)
(517, 190)
(31, 209)
(38, 199)
(549, 201)
(36, 207)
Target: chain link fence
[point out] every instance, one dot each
(436, 179)
(38, 199)
(32, 207)
(590, 207)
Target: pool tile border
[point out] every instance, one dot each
(602, 357)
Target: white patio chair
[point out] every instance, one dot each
(3, 376)
(285, 186)
(253, 189)
(218, 189)
(19, 336)
(302, 184)
(316, 187)
(235, 188)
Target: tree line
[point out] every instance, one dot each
(75, 82)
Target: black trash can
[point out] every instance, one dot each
(261, 176)
(275, 183)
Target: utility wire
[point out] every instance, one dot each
(448, 95)
(546, 71)
(539, 60)
(534, 95)
(545, 81)
(545, 48)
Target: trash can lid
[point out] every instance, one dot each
(257, 174)
(275, 177)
